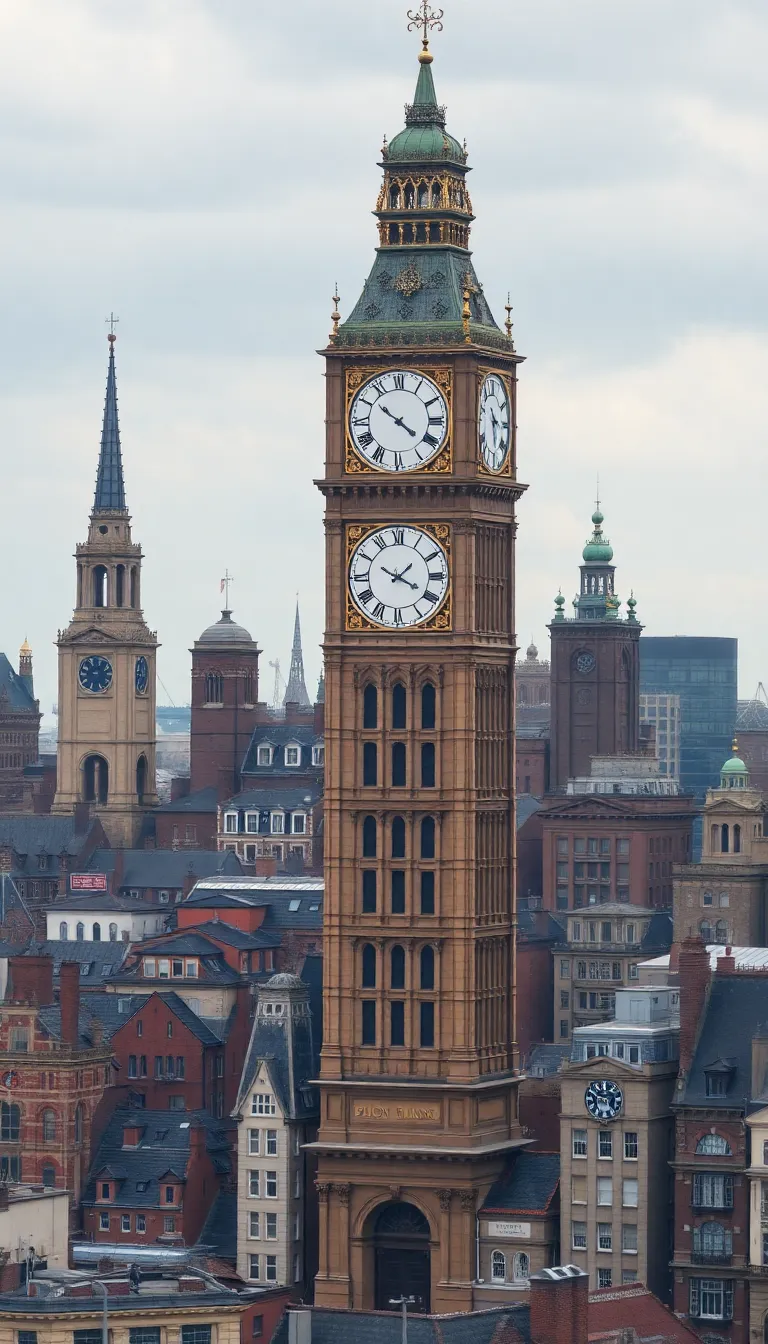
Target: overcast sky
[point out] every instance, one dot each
(207, 169)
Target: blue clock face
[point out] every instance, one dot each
(604, 1099)
(142, 675)
(95, 674)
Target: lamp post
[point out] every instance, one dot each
(405, 1303)
(104, 1317)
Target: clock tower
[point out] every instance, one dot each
(107, 735)
(418, 1078)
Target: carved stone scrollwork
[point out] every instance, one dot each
(333, 526)
(343, 1192)
(323, 1191)
(445, 1197)
(468, 1200)
(396, 1193)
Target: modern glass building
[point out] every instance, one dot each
(702, 672)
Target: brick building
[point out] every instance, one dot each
(538, 934)
(55, 1065)
(19, 732)
(519, 1227)
(287, 909)
(39, 852)
(598, 955)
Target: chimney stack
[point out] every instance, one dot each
(726, 963)
(69, 1001)
(559, 1306)
(30, 980)
(693, 964)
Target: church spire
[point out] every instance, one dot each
(296, 690)
(110, 488)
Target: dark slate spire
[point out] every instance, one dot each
(110, 489)
(296, 690)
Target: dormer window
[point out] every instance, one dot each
(231, 823)
(299, 823)
(264, 754)
(318, 754)
(718, 1077)
(252, 823)
(292, 754)
(150, 967)
(277, 822)
(105, 1190)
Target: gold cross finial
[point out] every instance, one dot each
(426, 19)
(508, 323)
(335, 315)
(112, 337)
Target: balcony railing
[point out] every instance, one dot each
(711, 1257)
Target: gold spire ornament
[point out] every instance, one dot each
(335, 316)
(508, 323)
(466, 314)
(426, 19)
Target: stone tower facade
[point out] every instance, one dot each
(418, 1084)
(595, 699)
(107, 735)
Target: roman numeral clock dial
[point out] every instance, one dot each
(493, 419)
(398, 576)
(398, 421)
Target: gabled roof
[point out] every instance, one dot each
(289, 1050)
(49, 835)
(498, 1325)
(163, 1149)
(203, 800)
(98, 961)
(735, 1010)
(288, 800)
(528, 1186)
(539, 926)
(633, 1304)
(219, 1232)
(165, 867)
(526, 807)
(14, 691)
(181, 1010)
(238, 938)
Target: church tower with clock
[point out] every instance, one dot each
(107, 735)
(418, 1079)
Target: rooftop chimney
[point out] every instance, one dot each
(559, 1306)
(726, 963)
(69, 1000)
(693, 963)
(30, 980)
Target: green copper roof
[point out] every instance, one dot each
(735, 765)
(414, 296)
(598, 549)
(425, 137)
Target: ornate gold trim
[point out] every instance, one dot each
(354, 463)
(440, 620)
(507, 466)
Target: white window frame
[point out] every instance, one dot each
(270, 1269)
(125, 1222)
(602, 1183)
(254, 1183)
(277, 823)
(270, 1141)
(271, 1227)
(581, 1244)
(299, 817)
(229, 819)
(292, 746)
(579, 1136)
(270, 1179)
(625, 1228)
(254, 1142)
(141, 1223)
(604, 1136)
(254, 1262)
(631, 1140)
(265, 749)
(149, 968)
(263, 1103)
(318, 753)
(254, 1222)
(630, 1203)
(604, 1278)
(104, 1222)
(604, 1237)
(252, 823)
(498, 1262)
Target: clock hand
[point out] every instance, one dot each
(398, 419)
(405, 571)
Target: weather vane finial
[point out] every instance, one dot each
(426, 19)
(112, 337)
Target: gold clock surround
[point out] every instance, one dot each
(441, 620)
(354, 464)
(507, 467)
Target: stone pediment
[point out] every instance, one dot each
(576, 805)
(731, 807)
(107, 637)
(601, 1066)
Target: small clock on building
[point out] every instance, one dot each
(142, 675)
(585, 662)
(95, 674)
(604, 1099)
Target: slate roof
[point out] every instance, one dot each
(164, 1147)
(659, 931)
(291, 1064)
(529, 1185)
(289, 800)
(537, 926)
(234, 937)
(165, 867)
(98, 961)
(335, 1326)
(212, 966)
(50, 1018)
(14, 691)
(219, 1233)
(203, 800)
(634, 1304)
(278, 735)
(30, 835)
(545, 1060)
(737, 1007)
(110, 490)
(93, 902)
(525, 807)
(278, 895)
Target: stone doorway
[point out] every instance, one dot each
(402, 1257)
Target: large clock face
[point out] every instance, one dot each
(398, 576)
(604, 1099)
(142, 674)
(95, 673)
(493, 422)
(398, 421)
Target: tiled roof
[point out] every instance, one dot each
(203, 800)
(537, 926)
(634, 1304)
(32, 835)
(290, 1068)
(659, 931)
(525, 807)
(98, 961)
(219, 1233)
(278, 735)
(736, 1008)
(528, 1185)
(545, 1060)
(290, 800)
(203, 1030)
(164, 1147)
(165, 867)
(330, 1326)
(238, 938)
(17, 697)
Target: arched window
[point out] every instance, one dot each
(100, 592)
(714, 1145)
(398, 838)
(423, 196)
(80, 932)
(498, 1267)
(712, 1241)
(737, 839)
(394, 198)
(705, 929)
(63, 931)
(428, 705)
(427, 765)
(427, 968)
(120, 585)
(437, 195)
(428, 838)
(10, 1122)
(370, 707)
(522, 694)
(521, 1266)
(79, 1123)
(398, 705)
(49, 1126)
(113, 933)
(96, 935)
(95, 780)
(214, 688)
(723, 839)
(410, 196)
(134, 587)
(49, 1177)
(141, 777)
(397, 968)
(398, 765)
(370, 765)
(721, 931)
(369, 838)
(369, 966)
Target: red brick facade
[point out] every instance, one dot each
(225, 709)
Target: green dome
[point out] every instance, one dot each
(598, 549)
(423, 143)
(734, 765)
